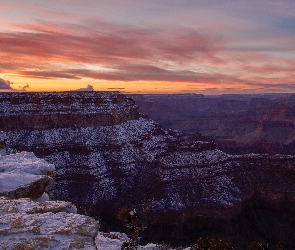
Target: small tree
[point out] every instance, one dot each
(130, 217)
(2, 144)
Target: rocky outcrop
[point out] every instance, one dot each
(29, 224)
(42, 224)
(29, 206)
(25, 224)
(24, 175)
(19, 110)
(179, 185)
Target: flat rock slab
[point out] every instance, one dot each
(25, 224)
(27, 205)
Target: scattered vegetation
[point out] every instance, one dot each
(265, 246)
(211, 243)
(130, 217)
(2, 144)
(258, 246)
(215, 243)
(280, 246)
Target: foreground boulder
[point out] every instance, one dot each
(25, 224)
(24, 175)
(28, 224)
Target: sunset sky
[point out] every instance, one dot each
(148, 46)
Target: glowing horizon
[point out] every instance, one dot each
(164, 46)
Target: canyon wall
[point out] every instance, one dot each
(182, 187)
(19, 110)
(238, 124)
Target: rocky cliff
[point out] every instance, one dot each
(39, 224)
(30, 221)
(239, 124)
(19, 110)
(182, 187)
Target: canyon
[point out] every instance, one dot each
(29, 220)
(107, 155)
(238, 124)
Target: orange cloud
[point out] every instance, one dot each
(125, 54)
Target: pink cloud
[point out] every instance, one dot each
(135, 53)
(118, 44)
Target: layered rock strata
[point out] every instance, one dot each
(134, 162)
(19, 110)
(239, 124)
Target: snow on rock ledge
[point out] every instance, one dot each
(27, 205)
(47, 231)
(24, 175)
(29, 224)
(26, 224)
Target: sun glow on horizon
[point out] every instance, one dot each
(226, 53)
